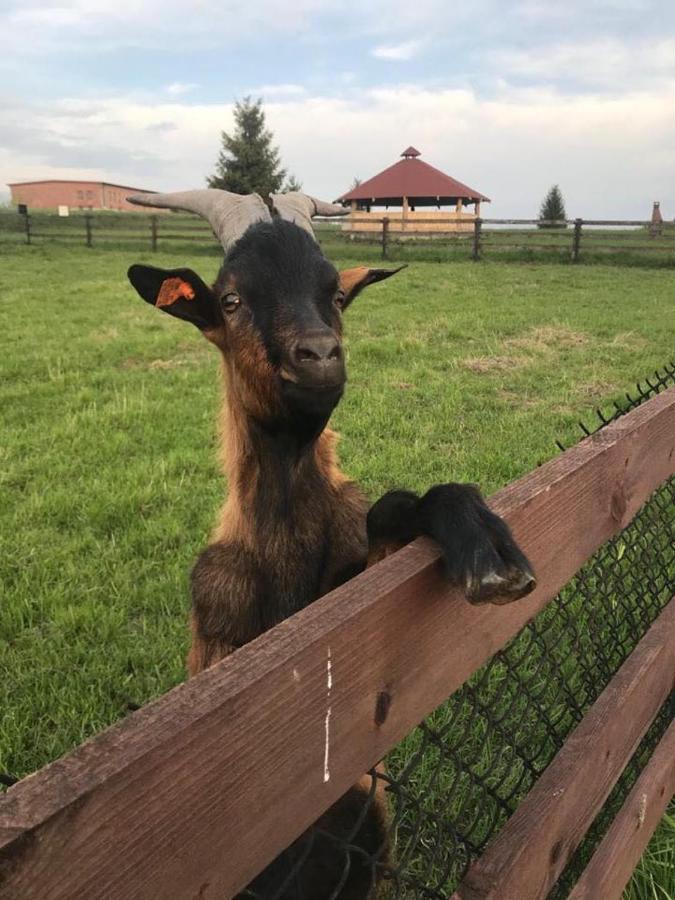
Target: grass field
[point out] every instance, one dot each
(109, 478)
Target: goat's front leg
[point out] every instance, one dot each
(226, 604)
(480, 553)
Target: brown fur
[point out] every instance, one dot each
(314, 534)
(294, 526)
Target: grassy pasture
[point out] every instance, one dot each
(109, 481)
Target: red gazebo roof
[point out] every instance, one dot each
(421, 183)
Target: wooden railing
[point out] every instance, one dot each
(572, 238)
(194, 794)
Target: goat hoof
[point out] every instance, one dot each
(500, 589)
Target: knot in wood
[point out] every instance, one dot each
(382, 705)
(619, 504)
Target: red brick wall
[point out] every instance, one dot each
(75, 194)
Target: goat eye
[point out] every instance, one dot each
(339, 299)
(230, 303)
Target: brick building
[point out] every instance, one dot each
(49, 194)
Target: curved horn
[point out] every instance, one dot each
(329, 209)
(299, 208)
(228, 214)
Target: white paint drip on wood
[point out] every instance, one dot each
(329, 686)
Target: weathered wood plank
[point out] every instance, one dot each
(613, 862)
(170, 801)
(528, 855)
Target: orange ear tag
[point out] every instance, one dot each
(172, 290)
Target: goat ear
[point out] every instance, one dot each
(353, 281)
(180, 292)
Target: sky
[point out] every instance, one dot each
(508, 96)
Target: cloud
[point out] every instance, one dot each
(611, 154)
(603, 62)
(179, 87)
(400, 52)
(277, 90)
(37, 26)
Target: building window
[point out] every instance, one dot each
(90, 194)
(80, 195)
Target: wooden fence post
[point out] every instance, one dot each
(26, 225)
(477, 226)
(385, 236)
(87, 225)
(153, 233)
(576, 240)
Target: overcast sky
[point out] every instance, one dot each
(508, 97)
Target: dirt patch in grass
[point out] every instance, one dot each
(544, 338)
(515, 399)
(103, 335)
(628, 340)
(484, 364)
(528, 348)
(594, 389)
(191, 354)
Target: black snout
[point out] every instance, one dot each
(317, 360)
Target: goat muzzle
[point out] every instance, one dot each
(315, 360)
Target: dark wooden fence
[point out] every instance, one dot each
(575, 239)
(195, 793)
(569, 238)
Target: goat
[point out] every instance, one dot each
(294, 526)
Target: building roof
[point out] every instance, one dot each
(411, 177)
(124, 187)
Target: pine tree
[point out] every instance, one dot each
(248, 162)
(553, 209)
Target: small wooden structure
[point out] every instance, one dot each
(656, 226)
(412, 187)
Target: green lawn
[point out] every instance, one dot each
(109, 477)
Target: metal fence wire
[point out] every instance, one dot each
(456, 779)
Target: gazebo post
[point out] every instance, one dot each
(478, 209)
(404, 214)
(354, 210)
(460, 204)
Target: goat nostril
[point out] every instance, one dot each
(304, 354)
(322, 349)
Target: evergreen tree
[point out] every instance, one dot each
(553, 209)
(248, 162)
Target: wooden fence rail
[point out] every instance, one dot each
(93, 229)
(529, 854)
(614, 860)
(195, 793)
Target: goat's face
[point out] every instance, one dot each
(281, 302)
(275, 312)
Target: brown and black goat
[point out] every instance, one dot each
(294, 526)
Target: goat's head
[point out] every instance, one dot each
(275, 310)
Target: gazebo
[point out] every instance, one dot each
(412, 187)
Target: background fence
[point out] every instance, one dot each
(580, 240)
(197, 792)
